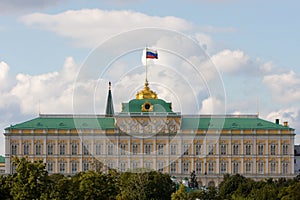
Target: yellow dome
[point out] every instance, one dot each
(146, 93)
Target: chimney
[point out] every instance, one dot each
(285, 123)
(277, 121)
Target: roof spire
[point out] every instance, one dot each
(109, 104)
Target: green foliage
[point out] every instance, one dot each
(30, 181)
(145, 185)
(180, 194)
(237, 187)
(230, 184)
(5, 187)
(203, 194)
(60, 186)
(291, 192)
(267, 191)
(96, 185)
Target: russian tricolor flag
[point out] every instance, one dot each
(152, 54)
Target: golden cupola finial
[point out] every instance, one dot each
(146, 93)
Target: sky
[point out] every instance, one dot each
(215, 56)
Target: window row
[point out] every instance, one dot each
(148, 148)
(209, 168)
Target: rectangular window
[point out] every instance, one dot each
(123, 149)
(62, 149)
(62, 167)
(248, 167)
(110, 165)
(123, 166)
(235, 150)
(285, 149)
(86, 149)
(284, 168)
(185, 167)
(223, 168)
(148, 149)
(173, 149)
(273, 167)
(223, 149)
(26, 148)
(198, 167)
(86, 166)
(74, 148)
(198, 149)
(50, 167)
(210, 167)
(38, 149)
(50, 149)
(160, 149)
(110, 149)
(235, 168)
(260, 149)
(14, 149)
(260, 167)
(134, 149)
(148, 165)
(161, 166)
(135, 165)
(248, 149)
(273, 149)
(173, 167)
(74, 167)
(186, 148)
(98, 149)
(211, 149)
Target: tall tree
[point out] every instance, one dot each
(30, 181)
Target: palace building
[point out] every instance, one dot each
(147, 133)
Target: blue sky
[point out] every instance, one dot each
(254, 45)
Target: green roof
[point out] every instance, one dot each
(239, 122)
(228, 123)
(2, 159)
(67, 122)
(135, 105)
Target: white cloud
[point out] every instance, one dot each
(205, 41)
(285, 87)
(229, 61)
(53, 90)
(212, 105)
(88, 27)
(290, 115)
(3, 71)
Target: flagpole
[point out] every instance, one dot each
(146, 67)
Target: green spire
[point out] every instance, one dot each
(109, 105)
